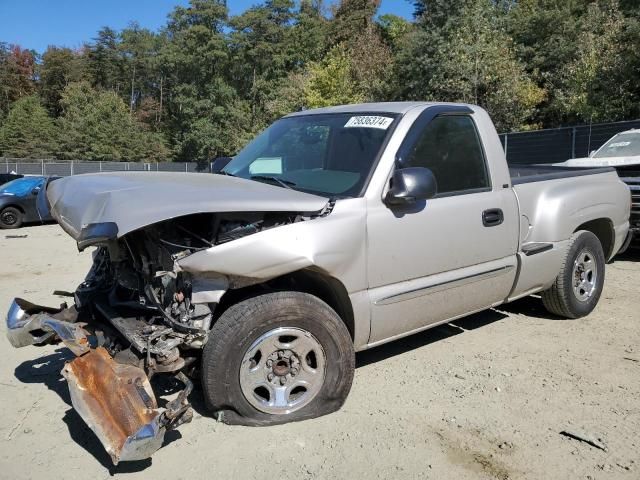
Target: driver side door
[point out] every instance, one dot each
(440, 258)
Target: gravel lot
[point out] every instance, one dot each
(485, 397)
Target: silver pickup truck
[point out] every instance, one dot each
(334, 231)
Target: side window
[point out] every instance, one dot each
(449, 146)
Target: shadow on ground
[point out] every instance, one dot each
(46, 370)
(531, 306)
(427, 337)
(631, 255)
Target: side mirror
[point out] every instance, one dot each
(592, 153)
(411, 184)
(35, 191)
(219, 163)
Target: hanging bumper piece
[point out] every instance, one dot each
(114, 399)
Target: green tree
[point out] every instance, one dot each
(308, 44)
(105, 62)
(58, 68)
(470, 59)
(17, 75)
(28, 132)
(545, 33)
(351, 18)
(97, 126)
(261, 53)
(371, 62)
(394, 29)
(139, 48)
(331, 82)
(594, 85)
(195, 62)
(361, 63)
(207, 82)
(630, 39)
(309, 34)
(289, 96)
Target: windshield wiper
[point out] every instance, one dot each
(279, 181)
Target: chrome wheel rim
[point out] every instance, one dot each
(585, 275)
(283, 370)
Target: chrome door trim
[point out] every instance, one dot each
(458, 282)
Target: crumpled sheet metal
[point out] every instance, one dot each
(24, 322)
(73, 335)
(331, 244)
(117, 403)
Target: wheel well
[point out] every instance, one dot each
(328, 289)
(17, 207)
(603, 229)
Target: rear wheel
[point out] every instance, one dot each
(11, 217)
(276, 358)
(578, 286)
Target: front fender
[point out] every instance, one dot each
(334, 244)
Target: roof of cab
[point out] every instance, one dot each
(379, 107)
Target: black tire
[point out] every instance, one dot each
(242, 324)
(561, 299)
(11, 217)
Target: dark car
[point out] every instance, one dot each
(18, 201)
(7, 177)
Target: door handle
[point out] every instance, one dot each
(492, 217)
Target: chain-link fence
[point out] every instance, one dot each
(74, 167)
(560, 144)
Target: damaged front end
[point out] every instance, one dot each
(139, 314)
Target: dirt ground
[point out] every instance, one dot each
(485, 397)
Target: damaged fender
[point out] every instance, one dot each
(288, 248)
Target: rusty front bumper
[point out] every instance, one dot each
(115, 400)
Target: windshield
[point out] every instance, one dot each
(330, 155)
(22, 186)
(622, 145)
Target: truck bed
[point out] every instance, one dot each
(539, 173)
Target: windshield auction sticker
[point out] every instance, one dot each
(369, 121)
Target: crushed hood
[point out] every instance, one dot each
(132, 200)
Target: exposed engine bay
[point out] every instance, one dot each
(136, 285)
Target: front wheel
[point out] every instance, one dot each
(11, 217)
(578, 286)
(277, 358)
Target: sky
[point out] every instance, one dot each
(35, 24)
